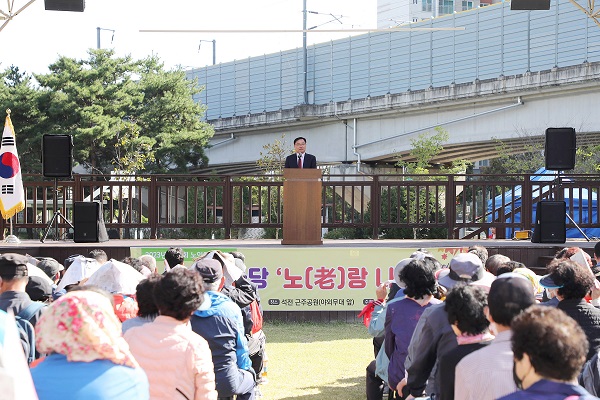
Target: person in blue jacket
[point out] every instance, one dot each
(219, 321)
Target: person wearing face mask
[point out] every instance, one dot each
(549, 350)
(570, 282)
(509, 295)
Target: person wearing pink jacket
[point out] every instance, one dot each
(177, 361)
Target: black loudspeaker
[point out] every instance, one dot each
(530, 4)
(560, 149)
(88, 222)
(550, 226)
(57, 156)
(65, 5)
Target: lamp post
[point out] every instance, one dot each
(98, 29)
(214, 48)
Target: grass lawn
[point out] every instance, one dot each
(316, 361)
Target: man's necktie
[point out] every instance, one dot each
(299, 161)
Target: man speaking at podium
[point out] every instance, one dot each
(300, 159)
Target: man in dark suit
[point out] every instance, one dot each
(300, 159)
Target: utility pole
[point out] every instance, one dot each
(98, 29)
(304, 55)
(214, 49)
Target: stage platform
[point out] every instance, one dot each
(531, 254)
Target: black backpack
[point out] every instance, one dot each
(26, 329)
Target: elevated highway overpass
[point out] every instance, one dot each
(509, 75)
(514, 109)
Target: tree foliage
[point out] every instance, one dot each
(122, 113)
(528, 158)
(425, 148)
(272, 160)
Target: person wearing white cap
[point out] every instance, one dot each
(466, 268)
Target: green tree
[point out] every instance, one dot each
(425, 148)
(169, 115)
(521, 157)
(132, 151)
(17, 93)
(527, 156)
(99, 98)
(271, 162)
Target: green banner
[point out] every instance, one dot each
(315, 279)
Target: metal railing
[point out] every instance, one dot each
(353, 206)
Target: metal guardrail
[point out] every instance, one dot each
(354, 206)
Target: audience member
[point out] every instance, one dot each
(252, 315)
(509, 295)
(174, 258)
(88, 358)
(121, 281)
(39, 289)
(99, 255)
(51, 267)
(147, 309)
(402, 316)
(590, 375)
(13, 281)
(466, 268)
(185, 365)
(15, 378)
(576, 254)
(79, 268)
(549, 350)
(149, 262)
(219, 321)
(495, 261)
(509, 266)
(534, 279)
(597, 253)
(137, 264)
(465, 306)
(433, 336)
(479, 251)
(570, 282)
(377, 370)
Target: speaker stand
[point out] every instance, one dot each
(577, 226)
(567, 214)
(55, 217)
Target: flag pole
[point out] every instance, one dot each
(9, 206)
(12, 238)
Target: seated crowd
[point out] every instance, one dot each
(486, 328)
(480, 328)
(98, 328)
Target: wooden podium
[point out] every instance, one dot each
(302, 206)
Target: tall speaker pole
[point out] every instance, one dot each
(55, 216)
(57, 162)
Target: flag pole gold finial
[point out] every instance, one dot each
(8, 111)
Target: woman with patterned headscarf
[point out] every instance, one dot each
(87, 356)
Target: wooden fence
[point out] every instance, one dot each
(353, 206)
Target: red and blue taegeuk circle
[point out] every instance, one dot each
(9, 165)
